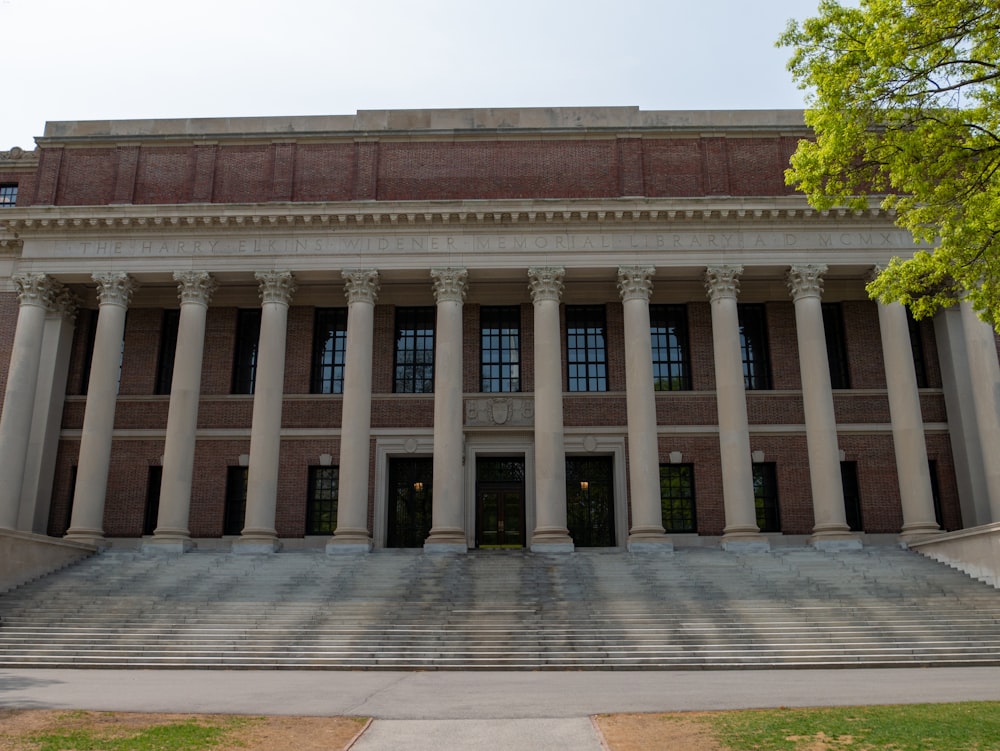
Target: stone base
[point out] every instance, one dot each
(740, 539)
(436, 548)
(917, 533)
(835, 543)
(647, 544)
(167, 545)
(94, 537)
(256, 545)
(553, 547)
(348, 547)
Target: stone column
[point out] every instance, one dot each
(635, 284)
(259, 534)
(830, 530)
(195, 289)
(50, 398)
(984, 371)
(741, 532)
(550, 534)
(448, 510)
(36, 293)
(907, 424)
(352, 535)
(114, 292)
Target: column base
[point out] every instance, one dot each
(834, 539)
(552, 540)
(168, 544)
(744, 540)
(345, 541)
(93, 537)
(915, 532)
(649, 540)
(446, 541)
(255, 543)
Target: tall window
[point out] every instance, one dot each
(414, 351)
(917, 347)
(586, 354)
(500, 349)
(8, 195)
(935, 492)
(410, 502)
(87, 319)
(321, 507)
(852, 495)
(677, 497)
(753, 345)
(234, 515)
(329, 345)
(245, 358)
(765, 496)
(836, 345)
(168, 348)
(668, 329)
(153, 479)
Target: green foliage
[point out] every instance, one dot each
(904, 99)
(181, 736)
(917, 727)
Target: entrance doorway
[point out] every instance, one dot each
(500, 502)
(409, 502)
(590, 507)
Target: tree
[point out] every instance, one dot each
(904, 101)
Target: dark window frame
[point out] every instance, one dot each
(754, 349)
(677, 498)
(836, 345)
(668, 330)
(586, 348)
(321, 500)
(917, 350)
(852, 496)
(235, 508)
(169, 328)
(151, 511)
(499, 349)
(765, 496)
(8, 195)
(328, 351)
(246, 351)
(413, 350)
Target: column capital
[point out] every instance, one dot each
(805, 281)
(36, 289)
(449, 284)
(872, 274)
(114, 288)
(195, 286)
(65, 303)
(361, 285)
(545, 282)
(275, 286)
(635, 282)
(722, 282)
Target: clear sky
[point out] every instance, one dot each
(123, 59)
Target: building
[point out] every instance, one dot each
(468, 328)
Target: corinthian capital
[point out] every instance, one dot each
(36, 289)
(545, 282)
(635, 282)
(449, 284)
(275, 286)
(723, 282)
(195, 286)
(114, 288)
(805, 281)
(361, 285)
(65, 303)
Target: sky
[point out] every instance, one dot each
(128, 59)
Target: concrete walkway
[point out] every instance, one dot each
(471, 710)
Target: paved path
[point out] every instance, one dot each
(472, 710)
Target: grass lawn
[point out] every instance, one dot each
(970, 726)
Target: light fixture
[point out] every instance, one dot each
(418, 486)
(584, 486)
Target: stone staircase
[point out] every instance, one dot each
(508, 610)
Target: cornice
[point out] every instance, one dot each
(414, 215)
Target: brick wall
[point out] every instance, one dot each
(409, 170)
